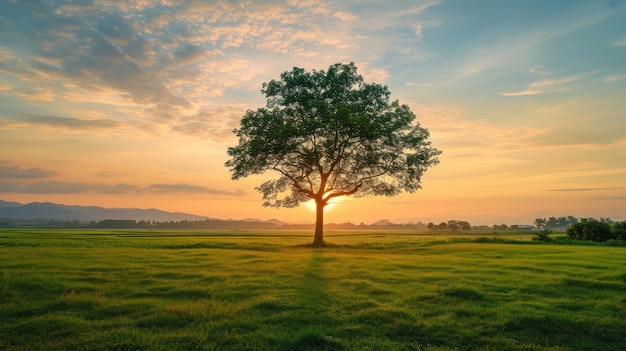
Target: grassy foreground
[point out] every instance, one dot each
(193, 290)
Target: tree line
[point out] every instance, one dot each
(595, 230)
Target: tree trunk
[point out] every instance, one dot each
(319, 224)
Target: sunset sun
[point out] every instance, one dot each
(311, 204)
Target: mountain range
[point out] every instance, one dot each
(52, 211)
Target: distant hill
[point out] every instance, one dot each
(382, 222)
(52, 211)
(9, 204)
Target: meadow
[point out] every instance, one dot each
(211, 290)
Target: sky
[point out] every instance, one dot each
(132, 103)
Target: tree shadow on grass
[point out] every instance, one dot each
(315, 319)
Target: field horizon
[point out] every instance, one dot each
(267, 290)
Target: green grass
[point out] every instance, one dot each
(210, 290)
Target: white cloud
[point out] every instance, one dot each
(418, 28)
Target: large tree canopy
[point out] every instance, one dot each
(329, 134)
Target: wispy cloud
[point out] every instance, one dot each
(62, 187)
(189, 188)
(614, 77)
(215, 124)
(548, 86)
(578, 136)
(518, 49)
(59, 187)
(619, 42)
(69, 122)
(585, 189)
(418, 85)
(16, 172)
(345, 16)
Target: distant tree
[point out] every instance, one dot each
(619, 230)
(442, 226)
(590, 229)
(464, 225)
(329, 134)
(459, 225)
(453, 226)
(500, 227)
(571, 220)
(540, 223)
(555, 223)
(543, 234)
(430, 225)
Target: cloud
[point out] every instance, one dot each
(107, 174)
(496, 56)
(577, 136)
(92, 48)
(188, 53)
(212, 123)
(614, 77)
(612, 198)
(36, 94)
(418, 28)
(62, 187)
(548, 86)
(189, 188)
(345, 16)
(585, 189)
(519, 49)
(418, 85)
(69, 122)
(157, 65)
(16, 172)
(373, 74)
(619, 42)
(58, 187)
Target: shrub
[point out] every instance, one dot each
(590, 229)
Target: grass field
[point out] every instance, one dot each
(204, 290)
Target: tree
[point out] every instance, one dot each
(329, 134)
(453, 225)
(540, 223)
(543, 234)
(465, 225)
(590, 229)
(619, 230)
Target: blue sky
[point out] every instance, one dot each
(132, 103)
